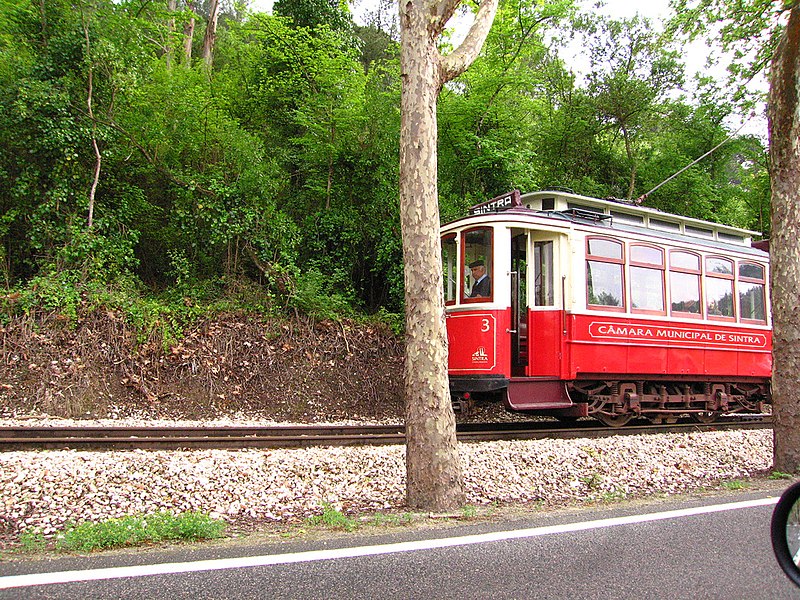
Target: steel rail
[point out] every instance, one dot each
(171, 438)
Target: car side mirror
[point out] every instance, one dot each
(785, 532)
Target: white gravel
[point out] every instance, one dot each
(44, 490)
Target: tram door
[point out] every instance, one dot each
(519, 303)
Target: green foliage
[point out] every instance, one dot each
(315, 13)
(615, 495)
(746, 33)
(735, 485)
(779, 475)
(275, 171)
(316, 295)
(395, 321)
(32, 540)
(137, 530)
(332, 518)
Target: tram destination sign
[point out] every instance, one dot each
(677, 335)
(504, 202)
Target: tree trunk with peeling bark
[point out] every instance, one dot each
(433, 470)
(188, 36)
(784, 133)
(211, 33)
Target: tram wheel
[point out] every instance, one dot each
(704, 417)
(613, 420)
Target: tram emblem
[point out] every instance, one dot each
(480, 356)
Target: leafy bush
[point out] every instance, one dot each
(313, 296)
(135, 530)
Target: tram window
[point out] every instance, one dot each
(699, 232)
(751, 292)
(685, 261)
(721, 266)
(601, 247)
(543, 258)
(684, 283)
(623, 217)
(604, 273)
(719, 288)
(664, 225)
(647, 255)
(477, 265)
(647, 278)
(750, 271)
(719, 297)
(449, 268)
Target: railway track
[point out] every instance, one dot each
(171, 438)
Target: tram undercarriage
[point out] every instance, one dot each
(614, 403)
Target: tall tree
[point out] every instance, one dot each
(210, 36)
(630, 71)
(486, 146)
(188, 34)
(784, 132)
(314, 13)
(765, 33)
(432, 465)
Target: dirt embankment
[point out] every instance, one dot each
(281, 370)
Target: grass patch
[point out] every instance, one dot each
(32, 541)
(735, 484)
(775, 475)
(615, 495)
(332, 518)
(136, 530)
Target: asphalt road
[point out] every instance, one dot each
(626, 551)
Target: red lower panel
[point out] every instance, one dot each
(605, 344)
(479, 342)
(545, 335)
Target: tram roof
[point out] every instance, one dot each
(616, 214)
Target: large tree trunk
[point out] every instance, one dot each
(433, 469)
(784, 132)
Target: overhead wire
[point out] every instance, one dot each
(644, 196)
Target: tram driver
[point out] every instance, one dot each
(482, 288)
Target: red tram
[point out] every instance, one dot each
(571, 306)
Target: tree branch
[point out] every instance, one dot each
(441, 11)
(455, 63)
(89, 97)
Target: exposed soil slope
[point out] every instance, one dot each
(281, 370)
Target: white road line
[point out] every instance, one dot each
(14, 581)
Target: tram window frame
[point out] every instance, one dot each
(642, 267)
(603, 261)
(715, 282)
(451, 274)
(488, 261)
(681, 270)
(756, 281)
(544, 273)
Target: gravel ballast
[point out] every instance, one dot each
(45, 490)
